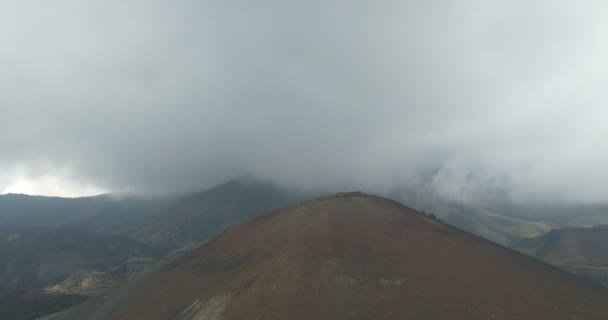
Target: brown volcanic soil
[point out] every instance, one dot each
(354, 256)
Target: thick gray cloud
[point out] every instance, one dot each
(161, 95)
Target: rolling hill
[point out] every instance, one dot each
(59, 249)
(198, 217)
(99, 214)
(583, 251)
(500, 229)
(354, 256)
(48, 269)
(556, 213)
(60, 260)
(504, 229)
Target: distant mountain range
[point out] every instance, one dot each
(101, 214)
(200, 216)
(87, 246)
(502, 220)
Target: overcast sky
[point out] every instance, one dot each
(175, 95)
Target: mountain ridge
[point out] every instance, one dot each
(357, 256)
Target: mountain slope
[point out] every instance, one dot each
(500, 229)
(200, 216)
(478, 219)
(16, 305)
(580, 250)
(557, 213)
(354, 256)
(101, 214)
(65, 261)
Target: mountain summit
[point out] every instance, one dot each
(356, 256)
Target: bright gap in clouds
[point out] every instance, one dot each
(53, 184)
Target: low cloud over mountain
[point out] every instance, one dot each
(167, 96)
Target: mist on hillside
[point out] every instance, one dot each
(468, 100)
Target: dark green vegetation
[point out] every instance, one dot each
(87, 246)
(47, 269)
(65, 261)
(16, 305)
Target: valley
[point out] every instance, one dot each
(77, 258)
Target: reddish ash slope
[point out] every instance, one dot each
(354, 256)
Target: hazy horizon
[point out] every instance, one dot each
(465, 98)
